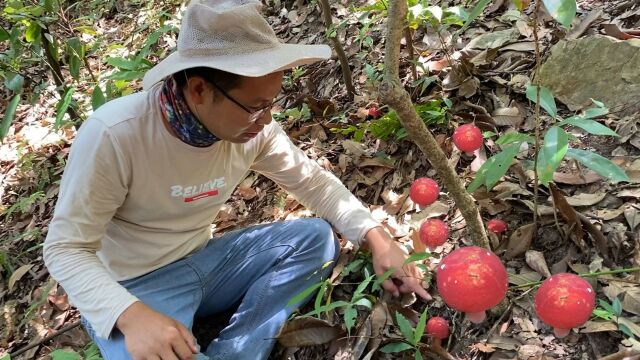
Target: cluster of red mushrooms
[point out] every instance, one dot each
(473, 279)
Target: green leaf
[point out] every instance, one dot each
(122, 63)
(8, 116)
(62, 107)
(350, 314)
(97, 98)
(599, 164)
(303, 295)
(5, 357)
(590, 126)
(320, 295)
(4, 34)
(381, 279)
(363, 285)
(127, 75)
(564, 11)
(395, 347)
(418, 356)
(325, 308)
(603, 314)
(417, 257)
(617, 307)
(546, 99)
(405, 327)
(364, 302)
(76, 54)
(64, 355)
(32, 34)
(556, 144)
(477, 10)
(495, 167)
(15, 82)
(625, 329)
(607, 306)
(512, 137)
(420, 328)
(354, 265)
(74, 67)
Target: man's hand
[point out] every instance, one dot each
(387, 254)
(150, 335)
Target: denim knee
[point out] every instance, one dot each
(323, 241)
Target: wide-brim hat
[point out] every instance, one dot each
(233, 36)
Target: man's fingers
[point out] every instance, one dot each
(389, 286)
(190, 342)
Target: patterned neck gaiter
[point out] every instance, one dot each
(183, 122)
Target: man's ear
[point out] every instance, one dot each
(198, 90)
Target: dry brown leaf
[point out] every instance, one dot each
(598, 326)
(631, 301)
(393, 201)
(508, 117)
(504, 342)
(570, 216)
(482, 347)
(377, 161)
(584, 24)
(520, 241)
(585, 199)
(607, 214)
(634, 193)
(535, 260)
(632, 214)
(17, 275)
(614, 31)
(307, 331)
(530, 352)
(247, 193)
(587, 177)
(418, 246)
(525, 277)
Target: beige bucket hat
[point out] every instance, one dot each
(233, 36)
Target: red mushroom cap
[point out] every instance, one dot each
(374, 112)
(467, 138)
(433, 233)
(472, 279)
(438, 327)
(424, 191)
(497, 226)
(565, 301)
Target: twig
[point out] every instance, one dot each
(44, 339)
(536, 186)
(397, 97)
(408, 35)
(344, 62)
(628, 354)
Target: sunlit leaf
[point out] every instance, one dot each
(477, 10)
(590, 126)
(62, 107)
(395, 347)
(556, 144)
(547, 101)
(7, 119)
(599, 164)
(564, 11)
(495, 168)
(420, 327)
(405, 326)
(97, 98)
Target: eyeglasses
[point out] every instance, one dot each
(253, 115)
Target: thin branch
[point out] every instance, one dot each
(397, 97)
(44, 340)
(408, 35)
(536, 186)
(342, 57)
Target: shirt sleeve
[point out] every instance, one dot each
(315, 188)
(93, 186)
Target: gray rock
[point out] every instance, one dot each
(598, 67)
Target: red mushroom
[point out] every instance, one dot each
(433, 233)
(438, 328)
(472, 279)
(374, 112)
(424, 191)
(467, 138)
(497, 226)
(565, 301)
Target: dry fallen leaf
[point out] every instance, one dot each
(307, 331)
(585, 199)
(570, 216)
(520, 241)
(18, 274)
(535, 259)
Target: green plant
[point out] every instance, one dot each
(613, 312)
(294, 114)
(554, 148)
(412, 336)
(388, 126)
(23, 204)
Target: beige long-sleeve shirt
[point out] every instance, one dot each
(133, 198)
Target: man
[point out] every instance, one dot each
(147, 173)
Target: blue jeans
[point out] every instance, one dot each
(260, 267)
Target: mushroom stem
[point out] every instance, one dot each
(560, 333)
(477, 317)
(437, 348)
